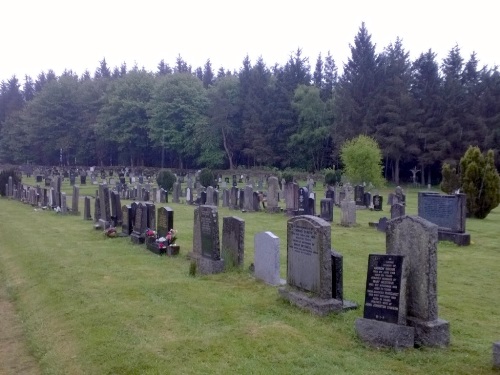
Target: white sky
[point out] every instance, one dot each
(38, 35)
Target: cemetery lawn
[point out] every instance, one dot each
(88, 304)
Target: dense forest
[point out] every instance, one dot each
(422, 113)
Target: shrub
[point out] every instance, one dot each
(166, 179)
(332, 176)
(450, 179)
(480, 181)
(206, 177)
(287, 176)
(4, 179)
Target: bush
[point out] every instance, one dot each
(166, 179)
(4, 179)
(480, 181)
(287, 176)
(450, 179)
(206, 177)
(332, 176)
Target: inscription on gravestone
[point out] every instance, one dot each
(302, 247)
(383, 288)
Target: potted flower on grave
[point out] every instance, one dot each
(173, 248)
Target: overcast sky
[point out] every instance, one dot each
(38, 35)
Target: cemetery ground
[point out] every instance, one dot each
(90, 304)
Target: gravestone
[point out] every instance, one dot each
(397, 210)
(97, 210)
(75, 200)
(165, 221)
(330, 193)
(309, 266)
(359, 195)
(64, 204)
(241, 199)
(86, 209)
(312, 204)
(140, 224)
(448, 212)
(256, 201)
(151, 216)
(367, 199)
(273, 191)
(248, 198)
(210, 196)
(384, 322)
(303, 205)
(291, 198)
(105, 207)
(267, 258)
(206, 245)
(189, 196)
(233, 198)
(416, 239)
(347, 213)
(127, 224)
(377, 202)
(225, 197)
(233, 242)
(326, 209)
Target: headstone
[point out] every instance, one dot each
(241, 199)
(206, 245)
(97, 210)
(377, 202)
(165, 221)
(210, 196)
(448, 212)
(83, 180)
(151, 216)
(367, 199)
(384, 322)
(104, 200)
(233, 198)
(256, 201)
(309, 265)
(397, 210)
(86, 209)
(267, 258)
(138, 233)
(326, 208)
(225, 198)
(347, 213)
(233, 242)
(273, 191)
(64, 204)
(291, 198)
(359, 195)
(127, 224)
(203, 197)
(248, 198)
(303, 206)
(416, 239)
(75, 200)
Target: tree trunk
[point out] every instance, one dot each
(228, 153)
(422, 175)
(396, 170)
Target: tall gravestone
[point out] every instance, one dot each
(397, 210)
(233, 242)
(347, 213)
(309, 266)
(233, 198)
(210, 196)
(291, 198)
(75, 200)
(377, 202)
(303, 206)
(248, 198)
(359, 195)
(64, 204)
(206, 244)
(127, 223)
(273, 191)
(138, 233)
(97, 210)
(105, 218)
(267, 258)
(384, 322)
(165, 221)
(86, 209)
(326, 209)
(448, 212)
(416, 239)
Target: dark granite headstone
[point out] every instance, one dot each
(165, 221)
(303, 208)
(326, 207)
(337, 276)
(127, 224)
(377, 202)
(233, 241)
(209, 225)
(359, 195)
(138, 233)
(86, 209)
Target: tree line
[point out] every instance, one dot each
(422, 113)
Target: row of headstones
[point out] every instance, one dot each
(401, 295)
(448, 212)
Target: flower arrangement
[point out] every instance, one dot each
(172, 236)
(110, 232)
(150, 233)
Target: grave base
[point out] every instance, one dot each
(430, 333)
(316, 305)
(460, 239)
(496, 355)
(382, 334)
(136, 238)
(273, 210)
(207, 266)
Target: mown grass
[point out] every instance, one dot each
(94, 305)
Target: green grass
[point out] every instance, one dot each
(94, 305)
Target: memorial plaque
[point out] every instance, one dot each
(385, 294)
